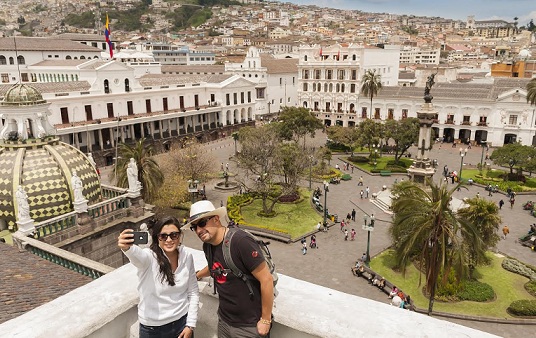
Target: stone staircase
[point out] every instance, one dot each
(382, 200)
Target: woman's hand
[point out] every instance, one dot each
(186, 333)
(125, 239)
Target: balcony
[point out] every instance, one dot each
(449, 122)
(482, 124)
(107, 307)
(466, 123)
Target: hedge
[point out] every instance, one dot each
(531, 287)
(515, 266)
(523, 307)
(476, 291)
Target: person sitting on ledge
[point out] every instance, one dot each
(394, 292)
(358, 265)
(381, 283)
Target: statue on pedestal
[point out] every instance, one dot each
(132, 175)
(78, 187)
(22, 204)
(429, 84)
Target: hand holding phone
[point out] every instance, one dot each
(140, 237)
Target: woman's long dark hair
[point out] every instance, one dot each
(163, 261)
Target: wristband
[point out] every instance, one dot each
(198, 278)
(265, 321)
(191, 328)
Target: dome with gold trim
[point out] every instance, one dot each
(22, 95)
(38, 161)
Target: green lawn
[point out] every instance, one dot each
(295, 218)
(507, 286)
(381, 163)
(492, 177)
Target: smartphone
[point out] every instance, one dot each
(140, 237)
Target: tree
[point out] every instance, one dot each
(404, 133)
(371, 85)
(258, 159)
(531, 92)
(293, 161)
(370, 132)
(484, 215)
(427, 229)
(347, 136)
(149, 173)
(513, 155)
(235, 138)
(191, 161)
(296, 123)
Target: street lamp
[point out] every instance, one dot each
(192, 188)
(368, 226)
(310, 172)
(326, 190)
(463, 152)
(483, 144)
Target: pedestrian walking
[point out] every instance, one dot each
(478, 195)
(348, 218)
(361, 194)
(352, 168)
(360, 181)
(342, 225)
(512, 201)
(326, 226)
(352, 235)
(505, 231)
(353, 215)
(345, 234)
(318, 226)
(226, 166)
(501, 203)
(367, 190)
(304, 245)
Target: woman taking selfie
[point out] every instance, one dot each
(169, 297)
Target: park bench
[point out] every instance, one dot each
(385, 173)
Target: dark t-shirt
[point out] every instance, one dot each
(236, 307)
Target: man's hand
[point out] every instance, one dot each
(186, 333)
(263, 328)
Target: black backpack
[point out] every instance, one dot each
(226, 248)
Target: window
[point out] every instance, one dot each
(228, 99)
(260, 93)
(11, 61)
(106, 87)
(110, 107)
(329, 74)
(306, 74)
(242, 97)
(64, 115)
(148, 105)
(342, 74)
(317, 74)
(89, 112)
(24, 77)
(181, 102)
(404, 114)
(249, 97)
(450, 119)
(377, 113)
(196, 101)
(235, 98)
(3, 60)
(354, 74)
(512, 119)
(352, 88)
(165, 103)
(466, 119)
(363, 112)
(127, 85)
(130, 108)
(305, 87)
(390, 113)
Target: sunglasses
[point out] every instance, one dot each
(174, 236)
(202, 223)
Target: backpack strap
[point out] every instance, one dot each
(229, 259)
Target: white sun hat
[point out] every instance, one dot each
(204, 209)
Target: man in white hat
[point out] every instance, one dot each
(241, 313)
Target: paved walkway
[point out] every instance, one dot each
(329, 265)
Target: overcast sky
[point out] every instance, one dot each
(453, 9)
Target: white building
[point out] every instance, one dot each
(425, 56)
(329, 78)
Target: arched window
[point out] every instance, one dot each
(342, 88)
(20, 60)
(305, 59)
(318, 87)
(337, 88)
(305, 87)
(325, 87)
(95, 57)
(331, 87)
(72, 77)
(127, 85)
(11, 61)
(304, 104)
(354, 57)
(68, 57)
(3, 60)
(82, 57)
(106, 87)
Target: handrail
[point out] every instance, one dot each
(82, 265)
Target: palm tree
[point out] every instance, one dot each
(531, 92)
(149, 173)
(484, 215)
(371, 85)
(425, 227)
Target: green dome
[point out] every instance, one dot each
(22, 95)
(44, 168)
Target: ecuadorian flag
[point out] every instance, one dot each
(107, 35)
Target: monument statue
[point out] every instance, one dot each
(22, 203)
(77, 187)
(91, 159)
(429, 84)
(132, 175)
